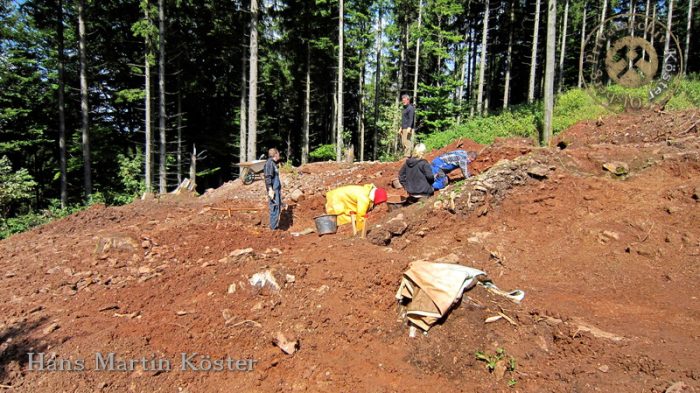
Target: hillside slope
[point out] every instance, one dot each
(610, 266)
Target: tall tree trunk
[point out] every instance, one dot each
(509, 57)
(653, 26)
(61, 107)
(361, 112)
(667, 44)
(339, 122)
(179, 127)
(583, 43)
(243, 127)
(416, 67)
(646, 26)
(603, 12)
(462, 76)
(472, 73)
(148, 155)
(253, 83)
(533, 58)
(482, 63)
(162, 175)
(334, 110)
(687, 36)
(399, 92)
(84, 100)
(377, 80)
(439, 56)
(307, 108)
(549, 71)
(563, 46)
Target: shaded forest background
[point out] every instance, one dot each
(429, 49)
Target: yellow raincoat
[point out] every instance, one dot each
(346, 199)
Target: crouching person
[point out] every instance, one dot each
(448, 162)
(416, 175)
(354, 200)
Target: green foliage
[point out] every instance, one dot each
(130, 168)
(323, 153)
(572, 106)
(129, 95)
(15, 186)
(10, 226)
(688, 94)
(484, 130)
(492, 360)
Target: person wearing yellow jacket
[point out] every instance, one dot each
(358, 200)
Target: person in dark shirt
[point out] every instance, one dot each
(273, 185)
(408, 118)
(416, 175)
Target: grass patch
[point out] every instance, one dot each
(570, 107)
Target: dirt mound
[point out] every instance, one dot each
(631, 127)
(608, 262)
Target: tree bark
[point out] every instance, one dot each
(307, 109)
(549, 72)
(377, 80)
(533, 58)
(243, 127)
(415, 71)
(563, 46)
(61, 106)
(397, 102)
(361, 113)
(482, 62)
(653, 25)
(148, 155)
(583, 43)
(462, 76)
(162, 175)
(646, 26)
(339, 122)
(667, 45)
(253, 83)
(509, 57)
(603, 12)
(179, 128)
(84, 101)
(687, 36)
(472, 72)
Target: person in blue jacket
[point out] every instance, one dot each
(448, 162)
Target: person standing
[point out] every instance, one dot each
(408, 118)
(273, 185)
(416, 175)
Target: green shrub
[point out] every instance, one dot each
(24, 222)
(16, 187)
(323, 153)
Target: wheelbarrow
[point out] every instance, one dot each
(251, 170)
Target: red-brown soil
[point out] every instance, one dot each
(610, 267)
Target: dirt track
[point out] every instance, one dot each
(610, 266)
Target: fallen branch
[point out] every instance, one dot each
(690, 128)
(256, 324)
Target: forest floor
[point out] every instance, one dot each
(610, 265)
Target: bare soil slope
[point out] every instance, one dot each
(609, 263)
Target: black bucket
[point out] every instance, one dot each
(326, 224)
